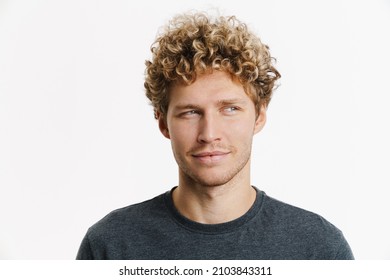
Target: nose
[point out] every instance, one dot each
(209, 129)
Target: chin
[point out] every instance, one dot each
(211, 177)
(211, 181)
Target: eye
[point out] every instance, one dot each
(231, 109)
(190, 113)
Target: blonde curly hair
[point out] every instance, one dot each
(193, 44)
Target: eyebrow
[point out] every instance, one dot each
(222, 102)
(186, 106)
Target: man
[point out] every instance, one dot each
(210, 81)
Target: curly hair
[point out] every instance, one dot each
(193, 44)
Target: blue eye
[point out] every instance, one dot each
(231, 109)
(192, 112)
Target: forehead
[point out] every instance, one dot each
(208, 88)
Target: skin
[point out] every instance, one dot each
(211, 124)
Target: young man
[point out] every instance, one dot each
(210, 81)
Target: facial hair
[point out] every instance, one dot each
(212, 176)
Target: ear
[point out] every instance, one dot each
(162, 124)
(261, 119)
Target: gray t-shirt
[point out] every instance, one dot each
(271, 229)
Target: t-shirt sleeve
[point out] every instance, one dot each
(344, 251)
(85, 251)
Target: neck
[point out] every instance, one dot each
(214, 204)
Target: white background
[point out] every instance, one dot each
(78, 138)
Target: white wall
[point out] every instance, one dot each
(78, 139)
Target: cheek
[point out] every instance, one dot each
(181, 137)
(243, 128)
(240, 137)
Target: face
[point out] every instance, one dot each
(211, 124)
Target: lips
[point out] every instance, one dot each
(210, 154)
(209, 158)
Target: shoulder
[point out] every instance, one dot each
(112, 236)
(288, 215)
(322, 237)
(127, 218)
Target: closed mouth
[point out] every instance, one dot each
(210, 154)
